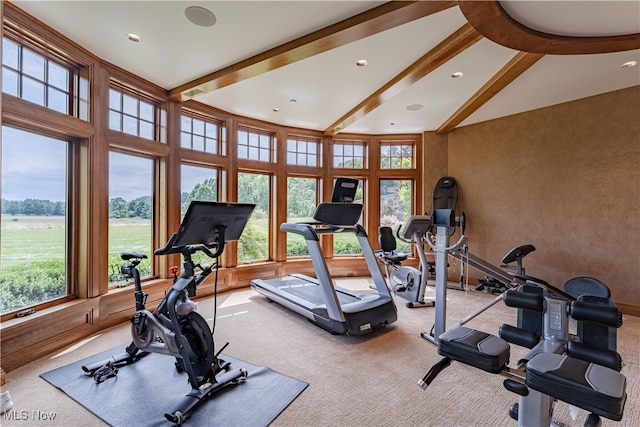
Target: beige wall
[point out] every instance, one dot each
(564, 178)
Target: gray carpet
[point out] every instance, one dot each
(143, 392)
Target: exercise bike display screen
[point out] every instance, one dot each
(202, 221)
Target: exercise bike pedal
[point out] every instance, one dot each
(105, 372)
(223, 366)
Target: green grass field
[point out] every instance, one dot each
(32, 253)
(26, 239)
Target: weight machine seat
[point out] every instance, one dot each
(592, 387)
(388, 246)
(475, 348)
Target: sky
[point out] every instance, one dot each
(33, 167)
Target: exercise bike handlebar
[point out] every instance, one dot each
(461, 242)
(190, 249)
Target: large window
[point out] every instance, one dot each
(396, 206)
(347, 243)
(254, 145)
(302, 199)
(254, 242)
(132, 115)
(202, 135)
(130, 210)
(33, 247)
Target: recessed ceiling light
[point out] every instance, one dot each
(134, 37)
(414, 107)
(629, 64)
(276, 109)
(392, 123)
(457, 74)
(292, 101)
(361, 62)
(200, 16)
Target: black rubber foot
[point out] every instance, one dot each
(513, 411)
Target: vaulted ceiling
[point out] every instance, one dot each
(294, 62)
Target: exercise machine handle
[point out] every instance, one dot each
(519, 336)
(523, 300)
(168, 247)
(431, 375)
(609, 358)
(597, 313)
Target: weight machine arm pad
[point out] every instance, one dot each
(597, 313)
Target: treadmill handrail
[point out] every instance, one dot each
(304, 229)
(310, 230)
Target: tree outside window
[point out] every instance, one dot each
(254, 242)
(396, 205)
(302, 199)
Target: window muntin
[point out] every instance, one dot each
(132, 114)
(130, 210)
(35, 78)
(254, 242)
(201, 135)
(349, 155)
(303, 152)
(302, 199)
(396, 205)
(253, 145)
(396, 156)
(34, 248)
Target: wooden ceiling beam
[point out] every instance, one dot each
(378, 19)
(456, 43)
(520, 63)
(493, 22)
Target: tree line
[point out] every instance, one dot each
(301, 194)
(32, 207)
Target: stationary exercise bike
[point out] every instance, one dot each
(406, 281)
(174, 328)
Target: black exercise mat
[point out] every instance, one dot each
(144, 391)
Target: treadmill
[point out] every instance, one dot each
(333, 308)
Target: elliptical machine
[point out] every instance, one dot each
(174, 328)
